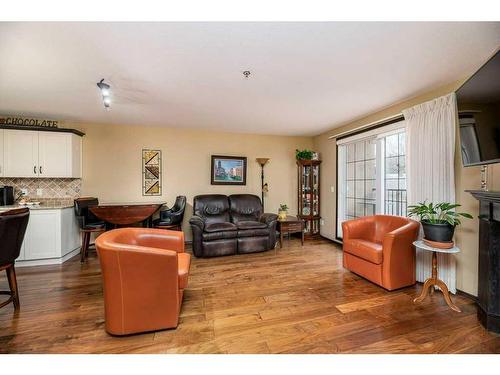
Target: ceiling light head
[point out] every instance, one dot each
(105, 92)
(103, 85)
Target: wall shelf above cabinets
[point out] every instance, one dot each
(43, 154)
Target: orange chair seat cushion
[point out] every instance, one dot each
(367, 250)
(184, 261)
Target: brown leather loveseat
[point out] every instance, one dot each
(145, 272)
(235, 224)
(380, 249)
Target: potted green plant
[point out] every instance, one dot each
(438, 220)
(304, 154)
(282, 211)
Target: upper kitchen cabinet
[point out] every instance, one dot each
(20, 153)
(59, 155)
(44, 154)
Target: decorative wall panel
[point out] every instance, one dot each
(151, 172)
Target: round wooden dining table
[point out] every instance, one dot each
(123, 214)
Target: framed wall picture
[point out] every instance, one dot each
(151, 172)
(228, 170)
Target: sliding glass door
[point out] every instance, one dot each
(371, 174)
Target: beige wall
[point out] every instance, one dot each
(466, 178)
(112, 163)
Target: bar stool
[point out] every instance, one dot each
(172, 218)
(13, 225)
(88, 222)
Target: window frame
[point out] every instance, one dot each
(378, 131)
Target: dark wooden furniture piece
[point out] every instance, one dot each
(291, 225)
(124, 214)
(171, 218)
(309, 195)
(488, 293)
(13, 225)
(434, 281)
(88, 222)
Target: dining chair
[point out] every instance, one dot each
(172, 218)
(88, 222)
(13, 225)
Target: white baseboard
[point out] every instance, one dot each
(47, 262)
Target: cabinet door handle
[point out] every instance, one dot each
(40, 169)
(34, 169)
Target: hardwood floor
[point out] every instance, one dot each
(295, 300)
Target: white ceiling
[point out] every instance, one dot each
(306, 77)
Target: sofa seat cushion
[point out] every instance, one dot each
(370, 251)
(183, 262)
(220, 227)
(254, 232)
(244, 225)
(210, 236)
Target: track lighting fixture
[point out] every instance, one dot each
(105, 92)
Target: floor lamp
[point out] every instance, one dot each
(264, 186)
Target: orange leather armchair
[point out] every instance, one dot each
(380, 249)
(145, 272)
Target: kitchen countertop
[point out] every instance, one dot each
(42, 206)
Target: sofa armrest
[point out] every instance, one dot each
(399, 253)
(197, 222)
(357, 228)
(268, 218)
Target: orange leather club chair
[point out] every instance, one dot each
(145, 272)
(379, 248)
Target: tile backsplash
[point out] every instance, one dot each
(51, 187)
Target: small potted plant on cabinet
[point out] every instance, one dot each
(438, 220)
(304, 154)
(282, 212)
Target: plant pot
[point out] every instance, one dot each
(438, 232)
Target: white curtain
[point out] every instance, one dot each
(430, 154)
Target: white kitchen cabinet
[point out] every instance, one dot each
(52, 237)
(54, 154)
(1, 153)
(20, 153)
(45, 154)
(41, 235)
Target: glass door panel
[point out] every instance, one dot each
(306, 190)
(315, 190)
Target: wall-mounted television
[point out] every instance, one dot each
(478, 102)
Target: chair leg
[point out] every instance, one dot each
(85, 244)
(11, 276)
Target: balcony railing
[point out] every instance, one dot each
(395, 202)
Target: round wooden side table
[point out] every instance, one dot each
(433, 280)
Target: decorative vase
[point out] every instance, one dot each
(282, 214)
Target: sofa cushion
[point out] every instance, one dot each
(220, 227)
(212, 208)
(183, 262)
(245, 207)
(250, 225)
(210, 236)
(370, 251)
(254, 232)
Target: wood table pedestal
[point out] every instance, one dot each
(433, 281)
